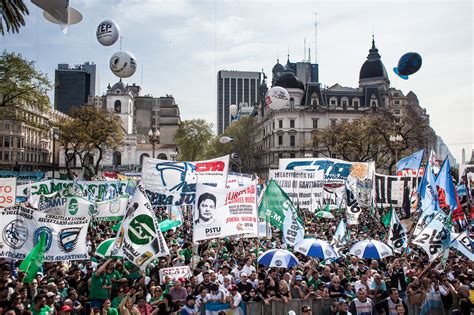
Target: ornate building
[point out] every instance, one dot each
(288, 133)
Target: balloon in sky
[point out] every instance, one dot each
(408, 64)
(59, 11)
(277, 97)
(123, 64)
(107, 32)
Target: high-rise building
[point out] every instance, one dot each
(73, 85)
(235, 87)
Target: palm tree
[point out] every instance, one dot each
(12, 12)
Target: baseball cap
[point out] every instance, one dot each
(298, 278)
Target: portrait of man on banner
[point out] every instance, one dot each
(204, 212)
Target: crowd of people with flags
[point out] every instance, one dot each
(241, 250)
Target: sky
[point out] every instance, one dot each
(181, 44)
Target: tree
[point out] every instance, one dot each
(21, 85)
(242, 133)
(90, 132)
(369, 138)
(192, 138)
(13, 12)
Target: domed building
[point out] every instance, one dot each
(288, 133)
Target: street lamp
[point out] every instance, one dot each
(396, 140)
(154, 138)
(55, 137)
(173, 155)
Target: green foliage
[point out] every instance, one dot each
(368, 139)
(192, 137)
(12, 12)
(242, 133)
(90, 131)
(21, 85)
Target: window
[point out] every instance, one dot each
(7, 141)
(292, 102)
(117, 158)
(292, 155)
(142, 157)
(292, 141)
(397, 112)
(18, 142)
(280, 124)
(315, 124)
(118, 106)
(280, 140)
(292, 123)
(6, 156)
(273, 124)
(397, 102)
(344, 103)
(333, 122)
(395, 94)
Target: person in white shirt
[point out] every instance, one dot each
(225, 272)
(234, 299)
(362, 305)
(248, 268)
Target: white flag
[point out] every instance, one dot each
(353, 210)
(464, 244)
(397, 234)
(139, 239)
(434, 237)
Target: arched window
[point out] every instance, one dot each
(344, 102)
(162, 156)
(292, 102)
(333, 102)
(373, 101)
(118, 106)
(143, 156)
(117, 158)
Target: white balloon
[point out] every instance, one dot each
(123, 64)
(107, 32)
(277, 97)
(225, 139)
(233, 109)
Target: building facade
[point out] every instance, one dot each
(26, 139)
(73, 85)
(289, 132)
(138, 114)
(235, 87)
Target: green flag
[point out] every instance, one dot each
(326, 208)
(386, 219)
(34, 260)
(169, 224)
(276, 208)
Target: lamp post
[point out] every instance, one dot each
(154, 138)
(173, 155)
(396, 140)
(55, 137)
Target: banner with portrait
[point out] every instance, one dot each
(21, 228)
(305, 189)
(174, 183)
(225, 212)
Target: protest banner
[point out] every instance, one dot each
(139, 239)
(353, 210)
(236, 180)
(98, 189)
(225, 212)
(305, 189)
(434, 238)
(21, 228)
(175, 273)
(393, 190)
(59, 204)
(7, 192)
(335, 171)
(174, 183)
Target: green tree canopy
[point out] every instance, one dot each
(242, 133)
(92, 132)
(21, 84)
(192, 137)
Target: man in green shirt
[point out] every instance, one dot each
(40, 307)
(99, 286)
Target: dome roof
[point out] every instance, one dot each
(373, 66)
(118, 86)
(288, 80)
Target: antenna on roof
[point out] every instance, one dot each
(316, 37)
(304, 58)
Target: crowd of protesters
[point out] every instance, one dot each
(226, 271)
